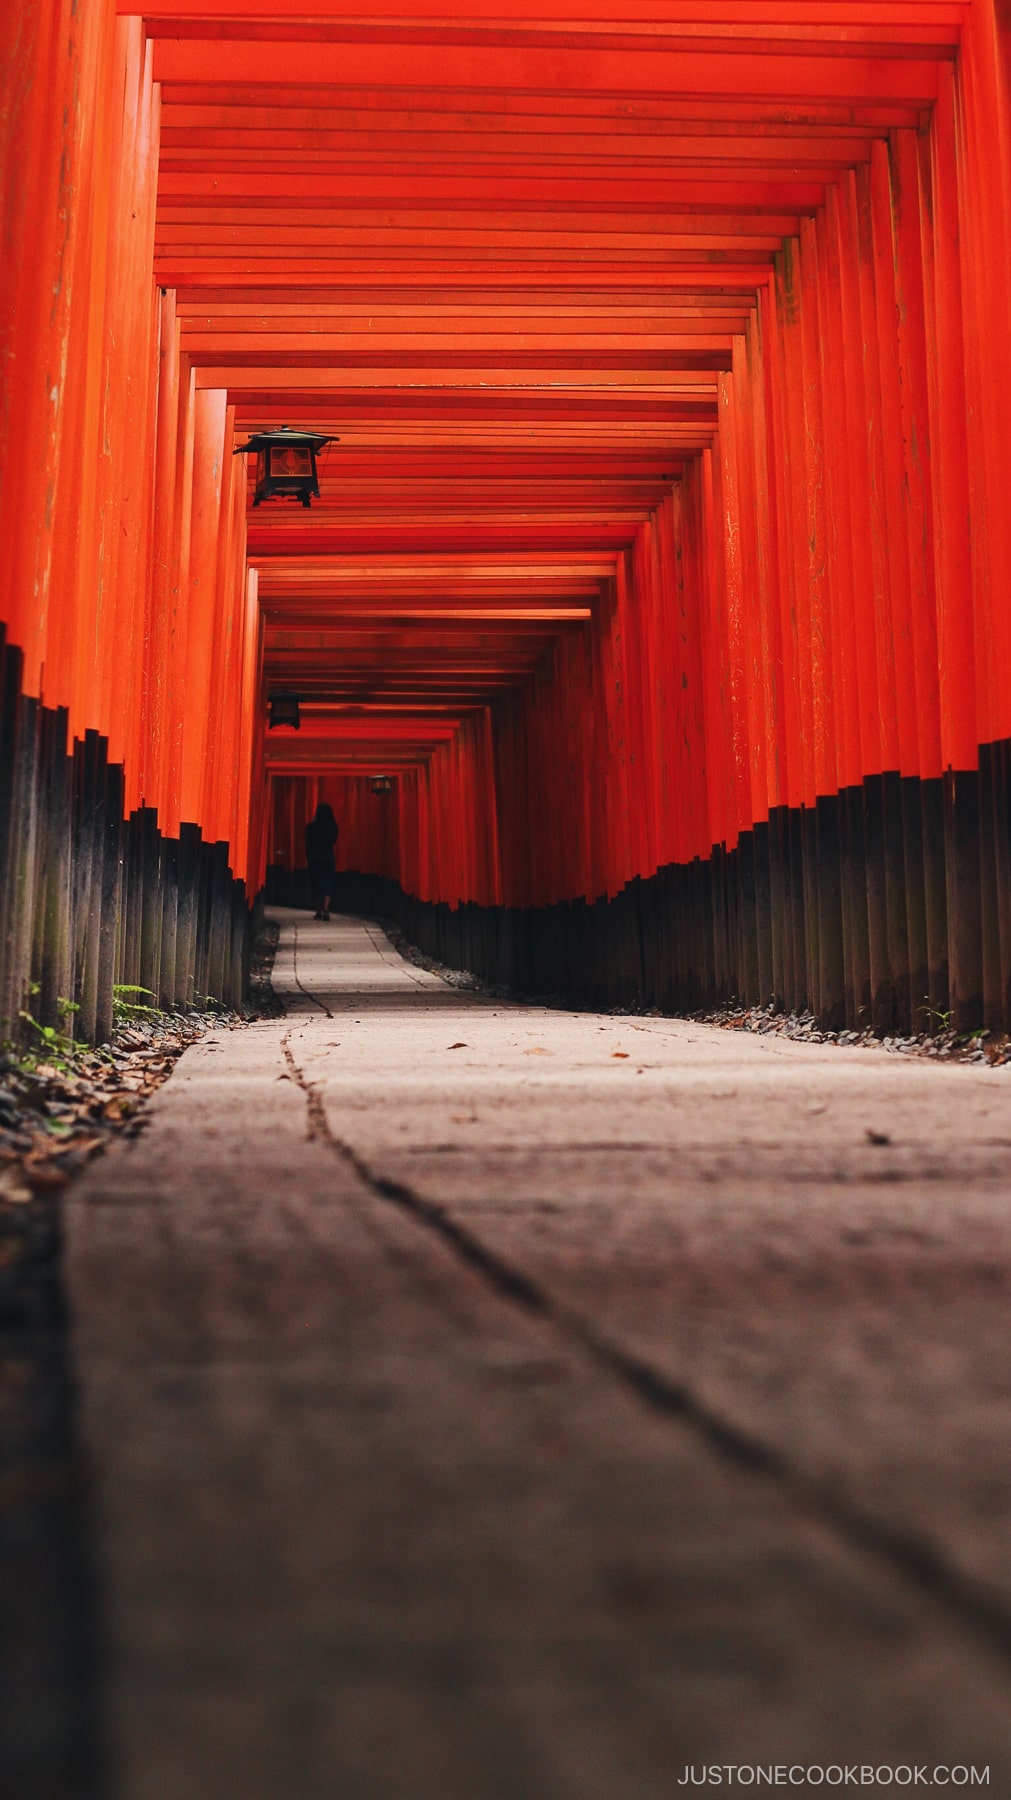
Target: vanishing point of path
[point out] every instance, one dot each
(485, 1402)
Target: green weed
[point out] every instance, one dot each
(943, 1019)
(56, 1042)
(127, 1009)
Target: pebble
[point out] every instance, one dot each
(980, 1047)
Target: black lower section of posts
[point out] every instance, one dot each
(887, 905)
(50, 1636)
(90, 900)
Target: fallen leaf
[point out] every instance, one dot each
(538, 1050)
(13, 1188)
(86, 1146)
(457, 1046)
(43, 1177)
(120, 1108)
(623, 1054)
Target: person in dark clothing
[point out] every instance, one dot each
(320, 844)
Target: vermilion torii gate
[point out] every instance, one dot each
(663, 563)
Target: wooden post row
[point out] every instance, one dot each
(123, 646)
(773, 766)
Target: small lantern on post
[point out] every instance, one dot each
(284, 710)
(285, 463)
(381, 784)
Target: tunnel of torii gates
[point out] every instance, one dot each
(663, 559)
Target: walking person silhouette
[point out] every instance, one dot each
(320, 844)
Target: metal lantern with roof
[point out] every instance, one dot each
(285, 463)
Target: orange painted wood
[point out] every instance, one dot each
(670, 359)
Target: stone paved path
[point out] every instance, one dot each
(494, 1403)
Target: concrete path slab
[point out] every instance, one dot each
(493, 1403)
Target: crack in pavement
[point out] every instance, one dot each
(304, 990)
(907, 1554)
(390, 955)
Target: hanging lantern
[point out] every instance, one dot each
(381, 784)
(284, 710)
(285, 463)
